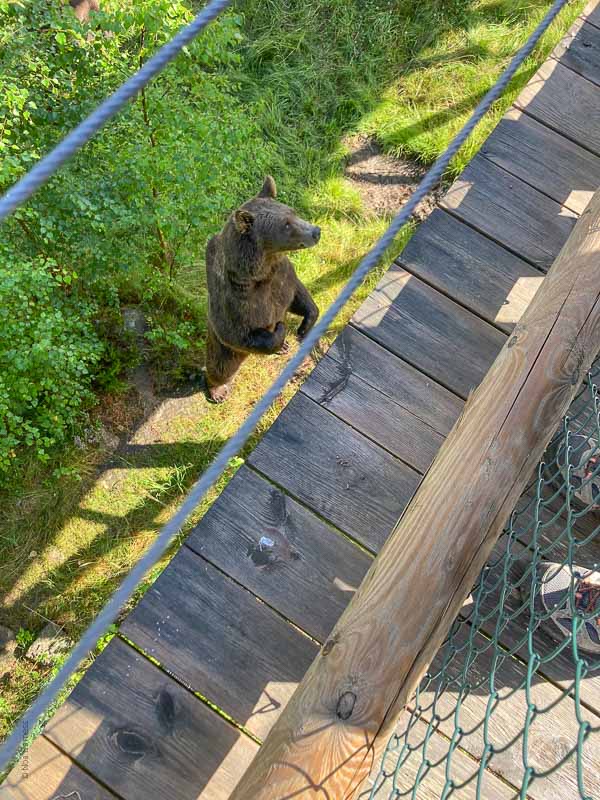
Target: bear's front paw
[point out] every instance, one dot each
(284, 349)
(218, 394)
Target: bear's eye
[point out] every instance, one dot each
(288, 225)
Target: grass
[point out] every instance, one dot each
(406, 73)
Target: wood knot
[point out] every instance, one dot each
(165, 709)
(345, 705)
(329, 645)
(575, 378)
(512, 341)
(131, 743)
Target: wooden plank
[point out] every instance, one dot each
(510, 211)
(552, 733)
(591, 13)
(344, 710)
(280, 551)
(544, 159)
(559, 668)
(342, 475)
(425, 756)
(556, 96)
(396, 379)
(219, 640)
(431, 332)
(44, 772)
(373, 413)
(144, 735)
(579, 50)
(471, 269)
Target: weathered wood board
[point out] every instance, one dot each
(591, 13)
(373, 413)
(509, 211)
(564, 101)
(281, 551)
(336, 471)
(144, 735)
(437, 336)
(579, 50)
(396, 379)
(471, 269)
(544, 159)
(46, 772)
(219, 640)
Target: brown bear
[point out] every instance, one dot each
(252, 284)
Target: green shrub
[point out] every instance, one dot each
(48, 352)
(131, 212)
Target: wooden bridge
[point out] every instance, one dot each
(176, 706)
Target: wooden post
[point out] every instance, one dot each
(342, 714)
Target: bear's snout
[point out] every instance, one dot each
(316, 233)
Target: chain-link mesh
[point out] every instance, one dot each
(511, 705)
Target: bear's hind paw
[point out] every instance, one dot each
(218, 394)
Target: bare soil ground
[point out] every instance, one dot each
(385, 183)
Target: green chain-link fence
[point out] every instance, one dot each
(511, 705)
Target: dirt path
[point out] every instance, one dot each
(383, 182)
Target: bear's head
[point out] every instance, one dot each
(274, 227)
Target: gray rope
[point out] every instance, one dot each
(110, 611)
(81, 135)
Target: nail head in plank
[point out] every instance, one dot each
(144, 735)
(543, 158)
(471, 269)
(219, 640)
(579, 50)
(558, 97)
(552, 733)
(396, 379)
(429, 330)
(44, 772)
(384, 421)
(280, 551)
(509, 211)
(336, 471)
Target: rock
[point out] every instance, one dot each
(8, 645)
(49, 645)
(108, 439)
(134, 320)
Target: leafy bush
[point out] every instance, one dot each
(48, 352)
(130, 213)
(137, 204)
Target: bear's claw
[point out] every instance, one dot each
(218, 394)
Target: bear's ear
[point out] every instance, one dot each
(269, 189)
(243, 220)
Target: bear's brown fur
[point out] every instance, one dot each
(252, 285)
